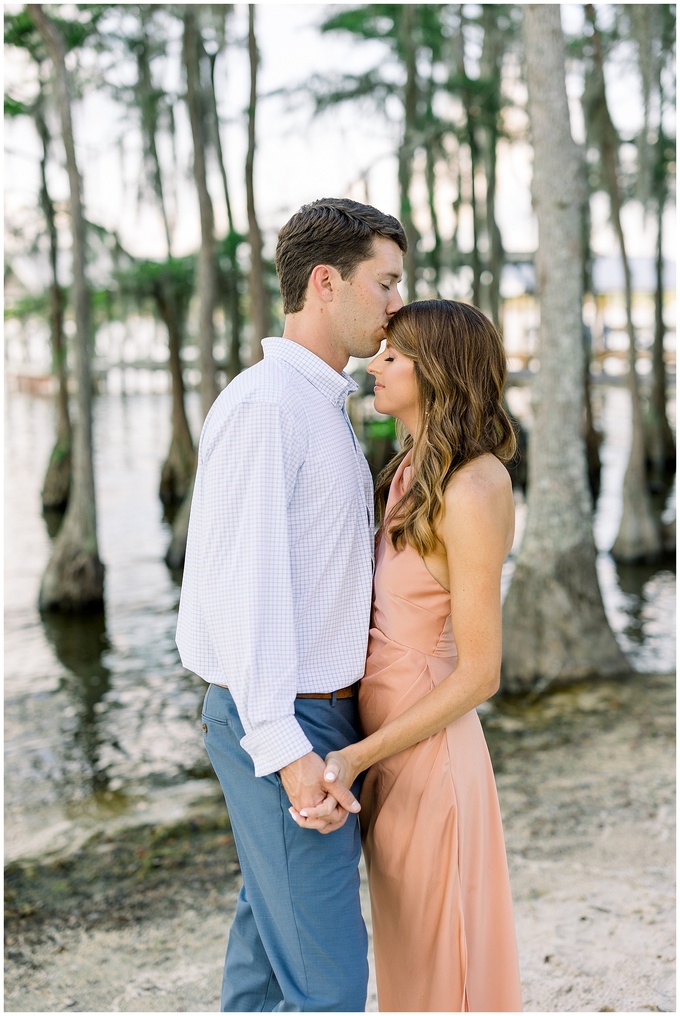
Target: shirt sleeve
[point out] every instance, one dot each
(247, 472)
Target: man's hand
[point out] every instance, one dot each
(340, 771)
(306, 788)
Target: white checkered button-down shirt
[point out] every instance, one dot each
(276, 593)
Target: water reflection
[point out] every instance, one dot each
(81, 644)
(647, 589)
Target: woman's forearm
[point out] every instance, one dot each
(451, 699)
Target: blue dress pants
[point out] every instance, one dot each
(298, 942)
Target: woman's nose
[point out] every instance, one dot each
(371, 369)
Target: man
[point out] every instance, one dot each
(275, 610)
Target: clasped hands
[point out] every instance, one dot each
(318, 791)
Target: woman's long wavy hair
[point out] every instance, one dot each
(460, 371)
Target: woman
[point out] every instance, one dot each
(443, 929)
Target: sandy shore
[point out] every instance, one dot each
(137, 921)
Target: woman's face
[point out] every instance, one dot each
(396, 390)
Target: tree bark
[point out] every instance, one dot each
(149, 119)
(231, 297)
(661, 443)
(639, 536)
(554, 626)
(435, 255)
(57, 482)
(406, 30)
(177, 472)
(74, 579)
(259, 297)
(591, 435)
(178, 468)
(490, 70)
(206, 269)
(468, 132)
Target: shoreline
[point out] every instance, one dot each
(136, 919)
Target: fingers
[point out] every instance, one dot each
(324, 824)
(319, 811)
(332, 771)
(342, 795)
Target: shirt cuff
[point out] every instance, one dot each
(275, 745)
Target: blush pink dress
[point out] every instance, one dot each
(443, 929)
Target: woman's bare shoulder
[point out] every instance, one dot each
(482, 480)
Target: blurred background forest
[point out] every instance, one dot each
(151, 154)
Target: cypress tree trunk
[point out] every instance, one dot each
(639, 536)
(592, 436)
(435, 255)
(406, 28)
(57, 482)
(554, 625)
(74, 579)
(468, 132)
(661, 443)
(178, 469)
(206, 269)
(490, 70)
(259, 297)
(231, 296)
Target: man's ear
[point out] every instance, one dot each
(324, 280)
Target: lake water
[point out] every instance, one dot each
(102, 723)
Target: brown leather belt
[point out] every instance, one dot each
(340, 693)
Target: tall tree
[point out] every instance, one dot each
(260, 314)
(467, 89)
(20, 31)
(639, 536)
(490, 101)
(554, 626)
(171, 284)
(408, 33)
(57, 482)
(206, 272)
(74, 578)
(652, 27)
(193, 53)
(229, 269)
(408, 48)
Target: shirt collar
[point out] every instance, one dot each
(336, 387)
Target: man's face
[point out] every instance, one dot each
(367, 300)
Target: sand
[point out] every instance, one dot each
(137, 921)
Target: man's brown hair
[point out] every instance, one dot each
(331, 231)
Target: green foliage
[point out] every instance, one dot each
(30, 305)
(329, 92)
(147, 279)
(21, 32)
(14, 108)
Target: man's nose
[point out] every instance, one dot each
(395, 304)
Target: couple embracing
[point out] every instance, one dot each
(344, 671)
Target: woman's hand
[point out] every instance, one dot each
(341, 767)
